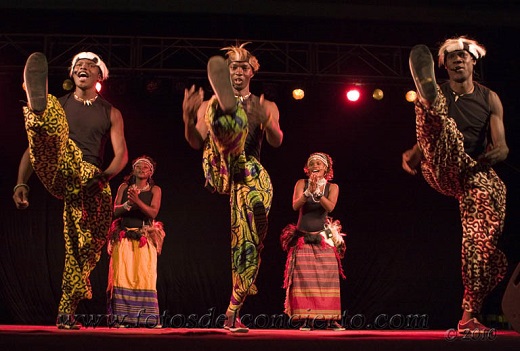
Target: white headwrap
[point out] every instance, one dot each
(318, 156)
(144, 160)
(92, 57)
(462, 43)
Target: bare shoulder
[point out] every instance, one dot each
(300, 183)
(269, 103)
(272, 109)
(495, 104)
(115, 114)
(122, 187)
(493, 96)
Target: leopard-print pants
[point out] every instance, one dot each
(481, 195)
(86, 218)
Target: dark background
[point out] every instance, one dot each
(403, 243)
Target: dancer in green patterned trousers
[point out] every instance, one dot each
(230, 128)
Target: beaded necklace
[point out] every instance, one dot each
(86, 102)
(243, 98)
(317, 194)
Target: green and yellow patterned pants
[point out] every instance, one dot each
(229, 171)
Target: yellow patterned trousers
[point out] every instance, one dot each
(86, 218)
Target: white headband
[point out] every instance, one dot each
(92, 57)
(320, 157)
(144, 160)
(471, 46)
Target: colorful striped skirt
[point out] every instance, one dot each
(312, 282)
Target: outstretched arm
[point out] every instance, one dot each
(21, 191)
(498, 149)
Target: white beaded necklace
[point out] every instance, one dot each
(86, 102)
(243, 98)
(457, 96)
(317, 194)
(145, 188)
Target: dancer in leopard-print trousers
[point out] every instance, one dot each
(66, 146)
(460, 135)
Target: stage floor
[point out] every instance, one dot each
(40, 338)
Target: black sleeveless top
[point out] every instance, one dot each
(471, 112)
(89, 126)
(253, 143)
(312, 214)
(135, 218)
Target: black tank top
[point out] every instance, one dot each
(312, 214)
(471, 112)
(89, 126)
(135, 218)
(253, 143)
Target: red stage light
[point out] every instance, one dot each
(353, 95)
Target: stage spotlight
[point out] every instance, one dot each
(411, 96)
(98, 87)
(67, 85)
(353, 94)
(378, 94)
(298, 94)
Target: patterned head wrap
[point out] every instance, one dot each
(239, 54)
(476, 50)
(146, 161)
(92, 57)
(318, 156)
(327, 161)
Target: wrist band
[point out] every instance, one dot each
(127, 206)
(20, 185)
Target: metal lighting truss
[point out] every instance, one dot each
(166, 57)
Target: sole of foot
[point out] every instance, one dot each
(35, 81)
(220, 80)
(423, 73)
